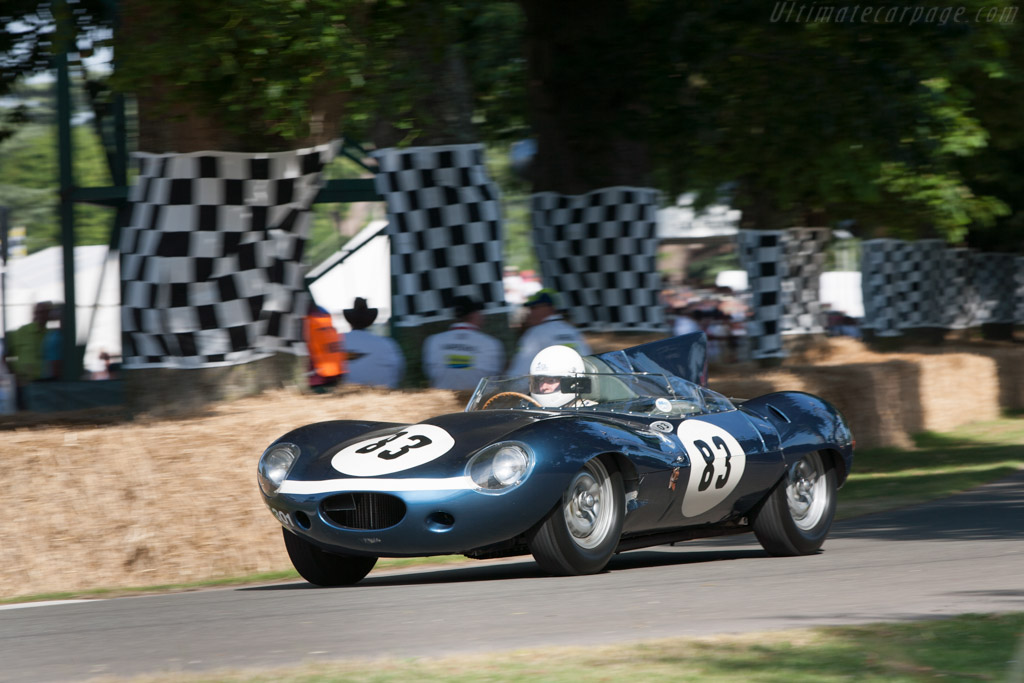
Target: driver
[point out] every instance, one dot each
(546, 373)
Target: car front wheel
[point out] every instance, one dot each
(581, 533)
(322, 568)
(797, 516)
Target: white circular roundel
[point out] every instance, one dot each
(716, 465)
(409, 447)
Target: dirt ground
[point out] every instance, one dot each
(170, 500)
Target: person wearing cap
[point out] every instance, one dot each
(372, 360)
(460, 357)
(545, 327)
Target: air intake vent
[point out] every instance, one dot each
(778, 413)
(364, 510)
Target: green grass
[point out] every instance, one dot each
(938, 466)
(884, 478)
(964, 648)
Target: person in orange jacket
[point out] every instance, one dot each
(326, 352)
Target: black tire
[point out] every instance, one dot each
(581, 533)
(322, 568)
(798, 513)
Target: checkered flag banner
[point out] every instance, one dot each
(763, 256)
(959, 303)
(599, 251)
(880, 273)
(919, 277)
(995, 283)
(211, 261)
(801, 288)
(445, 225)
(1018, 315)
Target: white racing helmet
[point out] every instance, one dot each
(546, 371)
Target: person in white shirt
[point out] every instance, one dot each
(460, 357)
(546, 327)
(372, 360)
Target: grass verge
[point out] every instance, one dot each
(964, 648)
(939, 466)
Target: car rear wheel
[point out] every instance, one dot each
(797, 516)
(581, 533)
(323, 568)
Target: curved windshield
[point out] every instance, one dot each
(636, 393)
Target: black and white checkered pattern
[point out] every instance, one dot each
(1018, 315)
(994, 281)
(918, 279)
(445, 225)
(801, 288)
(959, 297)
(763, 256)
(880, 275)
(925, 284)
(211, 262)
(599, 251)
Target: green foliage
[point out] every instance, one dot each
(33, 30)
(28, 181)
(896, 129)
(814, 123)
(262, 67)
(515, 202)
(254, 66)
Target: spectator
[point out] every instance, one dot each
(544, 327)
(326, 355)
(684, 322)
(372, 360)
(25, 349)
(8, 391)
(460, 357)
(718, 331)
(53, 340)
(107, 369)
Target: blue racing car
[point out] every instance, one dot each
(583, 458)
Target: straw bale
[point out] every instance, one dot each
(157, 501)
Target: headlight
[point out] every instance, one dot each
(501, 466)
(274, 466)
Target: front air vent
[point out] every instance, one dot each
(364, 510)
(778, 413)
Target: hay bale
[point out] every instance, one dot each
(161, 501)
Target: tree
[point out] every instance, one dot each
(812, 122)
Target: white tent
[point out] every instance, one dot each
(361, 268)
(40, 277)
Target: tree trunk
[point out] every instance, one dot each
(582, 66)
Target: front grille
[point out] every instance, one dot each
(364, 510)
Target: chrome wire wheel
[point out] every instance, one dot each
(581, 531)
(588, 505)
(807, 492)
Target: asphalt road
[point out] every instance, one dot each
(963, 554)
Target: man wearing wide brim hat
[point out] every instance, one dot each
(372, 359)
(360, 316)
(546, 327)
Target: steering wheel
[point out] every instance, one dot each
(531, 399)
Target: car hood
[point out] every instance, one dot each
(468, 432)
